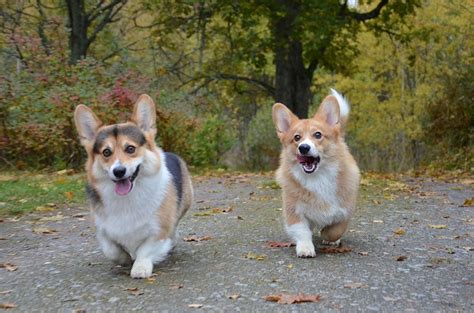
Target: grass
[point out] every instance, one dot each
(22, 193)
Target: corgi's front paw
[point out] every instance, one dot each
(305, 250)
(141, 269)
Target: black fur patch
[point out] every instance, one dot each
(174, 166)
(129, 131)
(93, 196)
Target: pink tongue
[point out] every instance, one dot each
(123, 187)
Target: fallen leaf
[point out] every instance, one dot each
(335, 249)
(195, 305)
(400, 232)
(355, 285)
(43, 208)
(253, 256)
(234, 297)
(44, 230)
(134, 291)
(196, 238)
(277, 244)
(401, 258)
(9, 267)
(468, 202)
(7, 305)
(54, 218)
(5, 292)
(291, 299)
(69, 195)
(440, 226)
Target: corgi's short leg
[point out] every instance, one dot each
(303, 236)
(332, 234)
(152, 251)
(113, 251)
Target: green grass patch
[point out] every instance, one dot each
(22, 193)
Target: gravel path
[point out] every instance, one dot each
(411, 245)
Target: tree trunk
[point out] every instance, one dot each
(78, 23)
(293, 80)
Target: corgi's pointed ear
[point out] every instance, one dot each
(87, 123)
(329, 111)
(144, 114)
(282, 118)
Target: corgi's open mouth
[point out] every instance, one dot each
(308, 163)
(124, 186)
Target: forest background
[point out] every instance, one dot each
(215, 68)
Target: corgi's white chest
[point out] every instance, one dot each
(326, 210)
(129, 220)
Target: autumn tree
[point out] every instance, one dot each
(294, 37)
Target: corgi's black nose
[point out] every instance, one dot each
(304, 148)
(119, 171)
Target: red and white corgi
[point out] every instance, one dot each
(318, 175)
(138, 193)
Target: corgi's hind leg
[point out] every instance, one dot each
(113, 251)
(332, 234)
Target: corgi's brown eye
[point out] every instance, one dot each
(130, 149)
(318, 135)
(297, 137)
(107, 152)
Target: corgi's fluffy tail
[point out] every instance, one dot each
(344, 107)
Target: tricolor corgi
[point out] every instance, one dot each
(138, 193)
(318, 175)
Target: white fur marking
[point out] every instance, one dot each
(344, 106)
(313, 151)
(303, 236)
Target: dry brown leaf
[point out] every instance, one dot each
(195, 305)
(355, 285)
(134, 291)
(291, 299)
(44, 230)
(7, 305)
(440, 226)
(400, 232)
(9, 267)
(468, 202)
(176, 287)
(401, 258)
(335, 249)
(277, 244)
(69, 195)
(196, 238)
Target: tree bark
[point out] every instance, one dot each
(78, 23)
(292, 79)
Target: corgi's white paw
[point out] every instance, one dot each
(305, 250)
(336, 243)
(142, 269)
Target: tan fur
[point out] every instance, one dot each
(334, 155)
